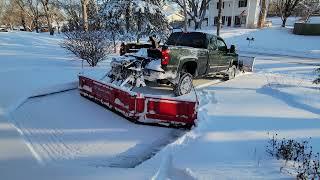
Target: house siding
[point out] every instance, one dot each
(233, 14)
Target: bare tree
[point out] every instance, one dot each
(35, 12)
(23, 12)
(128, 13)
(219, 17)
(72, 9)
(196, 10)
(45, 4)
(7, 17)
(307, 8)
(2, 6)
(92, 46)
(185, 14)
(285, 8)
(17, 13)
(263, 13)
(84, 4)
(57, 16)
(94, 21)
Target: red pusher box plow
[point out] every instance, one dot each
(140, 108)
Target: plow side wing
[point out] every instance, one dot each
(247, 63)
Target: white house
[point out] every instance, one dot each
(235, 13)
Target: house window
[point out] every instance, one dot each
(218, 5)
(215, 20)
(243, 19)
(206, 21)
(237, 21)
(243, 3)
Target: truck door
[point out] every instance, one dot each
(202, 61)
(213, 60)
(223, 57)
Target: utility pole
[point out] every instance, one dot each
(219, 17)
(185, 16)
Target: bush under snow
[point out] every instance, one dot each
(92, 46)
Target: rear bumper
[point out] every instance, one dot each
(152, 75)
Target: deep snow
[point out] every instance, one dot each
(230, 141)
(64, 136)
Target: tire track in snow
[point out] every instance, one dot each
(45, 144)
(43, 148)
(25, 134)
(129, 159)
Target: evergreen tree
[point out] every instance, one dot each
(137, 17)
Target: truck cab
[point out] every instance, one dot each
(199, 53)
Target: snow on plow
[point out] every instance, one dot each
(145, 109)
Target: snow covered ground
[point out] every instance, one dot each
(273, 41)
(230, 142)
(64, 136)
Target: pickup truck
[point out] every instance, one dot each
(188, 55)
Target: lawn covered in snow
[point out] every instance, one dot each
(275, 40)
(65, 136)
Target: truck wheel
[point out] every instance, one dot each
(231, 72)
(184, 85)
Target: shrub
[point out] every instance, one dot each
(92, 46)
(317, 80)
(306, 164)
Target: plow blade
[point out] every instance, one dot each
(246, 63)
(139, 108)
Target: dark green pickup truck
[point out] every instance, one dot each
(190, 55)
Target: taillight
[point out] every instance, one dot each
(165, 57)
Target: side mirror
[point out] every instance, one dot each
(232, 49)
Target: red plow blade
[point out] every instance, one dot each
(140, 108)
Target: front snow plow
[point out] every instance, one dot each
(153, 110)
(246, 63)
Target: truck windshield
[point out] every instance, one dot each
(192, 39)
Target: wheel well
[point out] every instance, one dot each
(190, 67)
(234, 63)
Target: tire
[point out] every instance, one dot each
(232, 72)
(184, 85)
